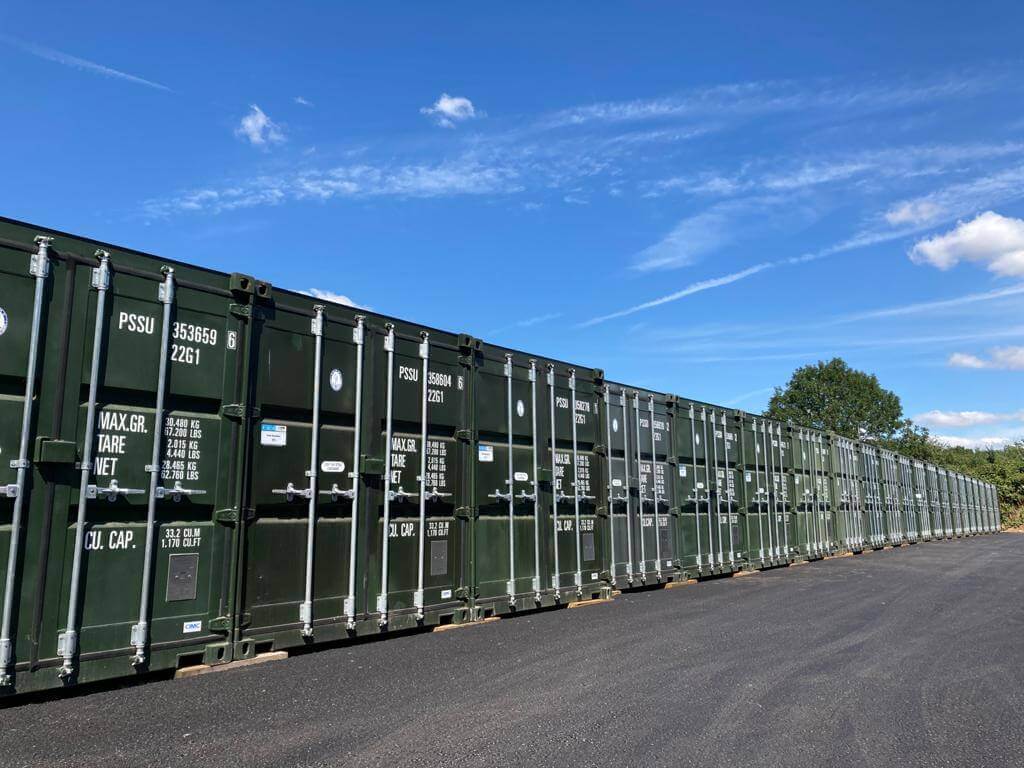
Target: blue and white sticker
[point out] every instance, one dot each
(273, 434)
(485, 453)
(190, 627)
(3, 321)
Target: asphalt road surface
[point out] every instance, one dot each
(908, 657)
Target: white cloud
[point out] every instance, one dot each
(331, 296)
(528, 322)
(768, 97)
(449, 110)
(344, 181)
(962, 360)
(83, 64)
(302, 101)
(990, 239)
(1000, 358)
(938, 418)
(258, 129)
(913, 212)
(689, 239)
(974, 443)
(703, 285)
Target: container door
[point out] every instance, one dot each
(512, 568)
(417, 571)
(694, 478)
(36, 291)
(296, 582)
(576, 540)
(656, 492)
(621, 503)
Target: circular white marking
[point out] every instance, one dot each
(336, 380)
(3, 321)
(615, 425)
(520, 408)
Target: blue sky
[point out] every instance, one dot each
(697, 201)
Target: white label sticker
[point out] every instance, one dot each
(615, 425)
(668, 563)
(273, 434)
(446, 594)
(682, 470)
(616, 483)
(485, 453)
(593, 577)
(520, 408)
(747, 477)
(700, 486)
(191, 626)
(232, 340)
(522, 477)
(332, 466)
(696, 439)
(335, 380)
(3, 321)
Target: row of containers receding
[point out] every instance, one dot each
(197, 467)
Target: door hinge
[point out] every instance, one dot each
(238, 411)
(600, 450)
(230, 516)
(372, 465)
(462, 593)
(464, 435)
(52, 451)
(223, 623)
(466, 513)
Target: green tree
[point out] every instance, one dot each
(834, 397)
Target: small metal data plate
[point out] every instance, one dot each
(182, 576)
(439, 557)
(589, 553)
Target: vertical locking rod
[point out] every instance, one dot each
(382, 596)
(718, 488)
(654, 486)
(757, 496)
(707, 484)
(555, 490)
(67, 641)
(696, 490)
(608, 486)
(140, 631)
(535, 483)
(306, 609)
(575, 480)
(625, 470)
(358, 337)
(39, 268)
(424, 352)
(640, 489)
(510, 587)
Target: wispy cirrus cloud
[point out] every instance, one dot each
(59, 57)
(344, 181)
(697, 287)
(775, 96)
(528, 322)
